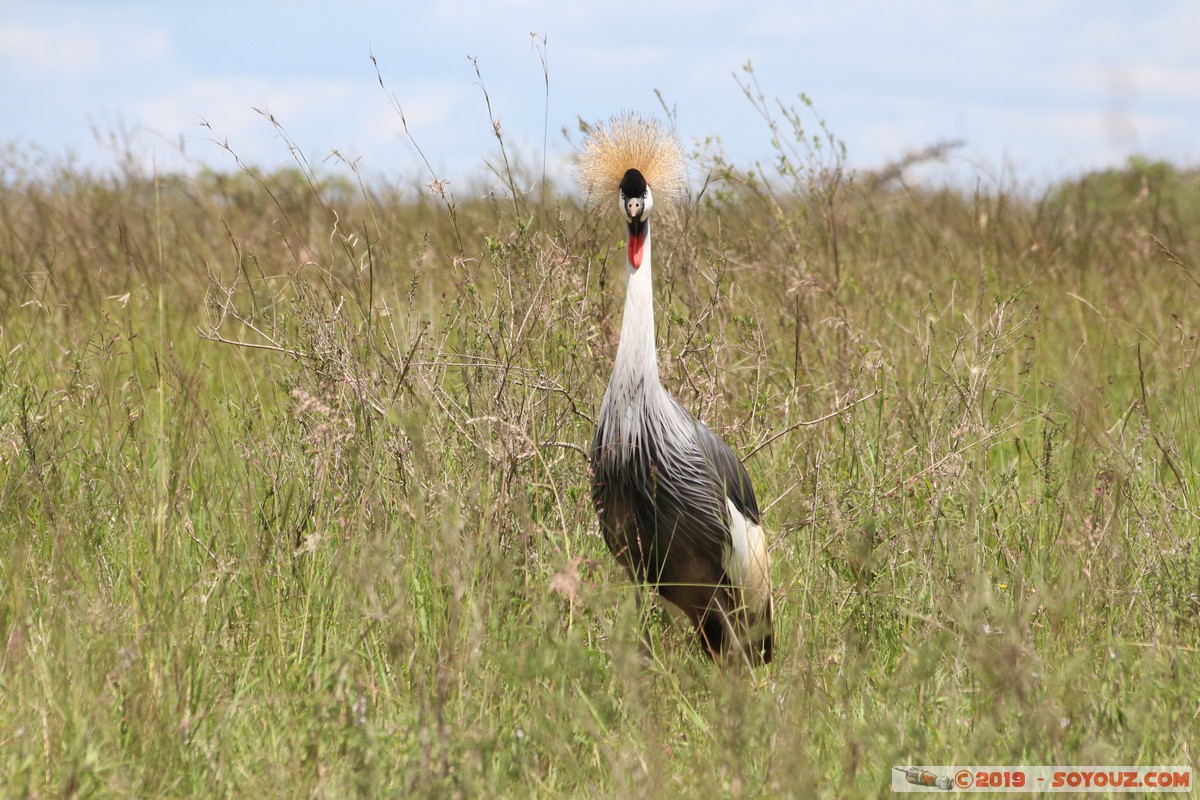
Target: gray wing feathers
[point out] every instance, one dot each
(663, 485)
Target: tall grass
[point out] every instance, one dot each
(293, 495)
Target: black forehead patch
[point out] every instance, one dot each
(633, 184)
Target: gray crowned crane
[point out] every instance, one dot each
(675, 504)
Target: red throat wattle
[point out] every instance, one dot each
(636, 241)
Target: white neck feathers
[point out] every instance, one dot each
(637, 362)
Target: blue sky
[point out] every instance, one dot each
(1038, 90)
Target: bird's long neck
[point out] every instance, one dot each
(636, 367)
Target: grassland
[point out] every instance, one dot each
(293, 501)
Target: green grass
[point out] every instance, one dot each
(360, 559)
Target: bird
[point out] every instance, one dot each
(675, 504)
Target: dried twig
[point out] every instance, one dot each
(805, 423)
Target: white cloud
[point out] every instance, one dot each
(619, 61)
(236, 110)
(74, 52)
(425, 106)
(353, 117)
(70, 52)
(146, 46)
(1038, 81)
(1156, 82)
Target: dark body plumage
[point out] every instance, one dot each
(660, 489)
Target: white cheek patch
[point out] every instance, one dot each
(745, 558)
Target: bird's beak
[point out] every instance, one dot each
(637, 240)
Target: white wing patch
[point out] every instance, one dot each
(745, 559)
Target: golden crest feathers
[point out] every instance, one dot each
(628, 142)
